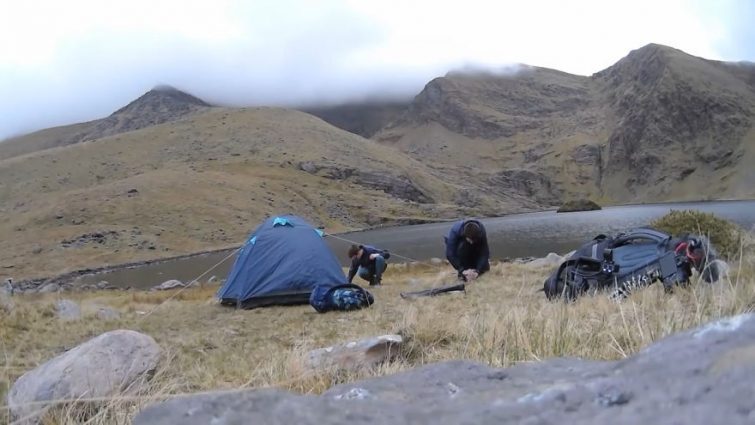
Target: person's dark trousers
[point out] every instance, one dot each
(468, 255)
(373, 273)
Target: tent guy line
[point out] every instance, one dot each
(360, 243)
(192, 281)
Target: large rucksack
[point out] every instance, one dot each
(340, 297)
(631, 260)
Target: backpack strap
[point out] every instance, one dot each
(642, 233)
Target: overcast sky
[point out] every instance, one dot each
(65, 61)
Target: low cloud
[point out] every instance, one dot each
(82, 59)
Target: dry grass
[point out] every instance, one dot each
(501, 320)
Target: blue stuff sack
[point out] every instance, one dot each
(340, 298)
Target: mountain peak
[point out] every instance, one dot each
(655, 47)
(165, 88)
(646, 64)
(164, 98)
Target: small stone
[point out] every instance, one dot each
(308, 166)
(67, 310)
(48, 288)
(551, 260)
(168, 284)
(354, 355)
(7, 288)
(106, 314)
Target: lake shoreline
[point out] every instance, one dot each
(67, 280)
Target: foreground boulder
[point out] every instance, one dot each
(110, 364)
(354, 355)
(702, 376)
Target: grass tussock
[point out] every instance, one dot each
(501, 320)
(729, 239)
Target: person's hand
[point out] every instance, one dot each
(470, 274)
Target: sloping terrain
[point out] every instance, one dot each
(204, 182)
(659, 125)
(157, 106)
(679, 124)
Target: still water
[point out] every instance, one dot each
(518, 235)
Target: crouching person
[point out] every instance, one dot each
(467, 249)
(368, 262)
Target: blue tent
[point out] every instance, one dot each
(280, 264)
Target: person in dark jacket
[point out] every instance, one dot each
(467, 249)
(368, 262)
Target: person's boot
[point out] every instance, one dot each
(375, 281)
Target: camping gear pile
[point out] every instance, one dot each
(629, 261)
(285, 261)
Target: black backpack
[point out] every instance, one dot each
(631, 260)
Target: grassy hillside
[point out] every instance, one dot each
(500, 321)
(204, 182)
(659, 125)
(159, 105)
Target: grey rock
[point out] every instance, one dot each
(113, 363)
(7, 288)
(723, 268)
(6, 303)
(398, 186)
(586, 154)
(354, 355)
(701, 376)
(550, 260)
(107, 313)
(526, 183)
(309, 167)
(436, 261)
(524, 260)
(168, 284)
(48, 288)
(103, 284)
(67, 310)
